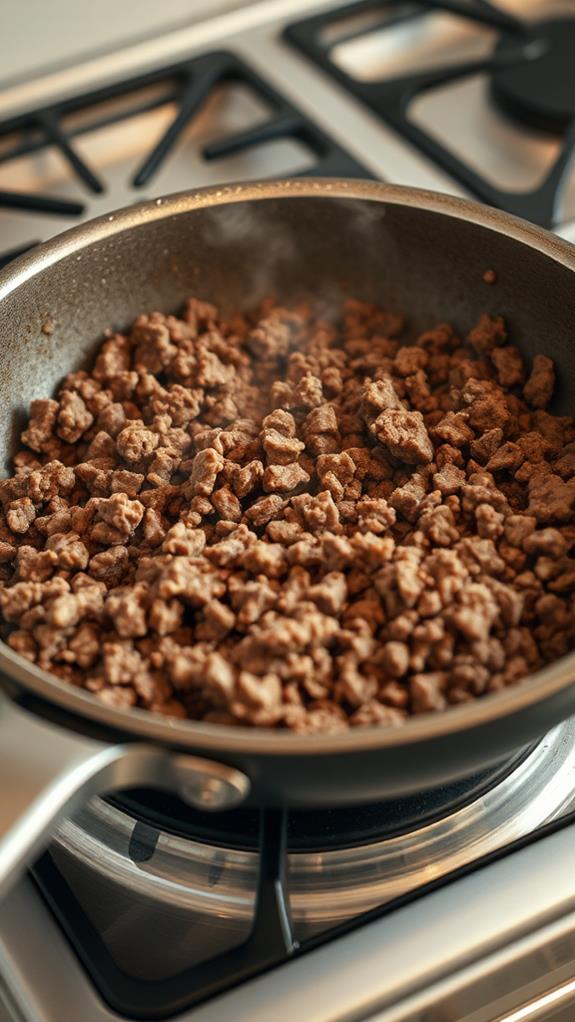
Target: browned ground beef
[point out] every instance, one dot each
(272, 520)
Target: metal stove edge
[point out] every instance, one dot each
(489, 943)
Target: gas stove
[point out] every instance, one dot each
(457, 95)
(455, 905)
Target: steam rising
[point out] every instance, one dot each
(292, 262)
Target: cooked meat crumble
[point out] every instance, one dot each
(274, 520)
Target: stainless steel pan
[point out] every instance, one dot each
(408, 249)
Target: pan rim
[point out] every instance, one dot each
(105, 227)
(222, 739)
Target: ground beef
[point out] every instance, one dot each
(279, 521)
(404, 435)
(539, 387)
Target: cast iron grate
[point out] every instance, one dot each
(188, 86)
(270, 942)
(532, 79)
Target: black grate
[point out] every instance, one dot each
(526, 68)
(188, 86)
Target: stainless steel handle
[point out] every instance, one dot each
(47, 771)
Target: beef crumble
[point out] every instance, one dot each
(274, 520)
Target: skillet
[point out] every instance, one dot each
(406, 249)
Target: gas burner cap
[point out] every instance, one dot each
(539, 90)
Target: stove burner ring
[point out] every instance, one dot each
(312, 830)
(539, 91)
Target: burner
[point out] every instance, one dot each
(161, 920)
(307, 830)
(540, 92)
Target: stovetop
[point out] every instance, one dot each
(458, 913)
(435, 94)
(455, 95)
(485, 91)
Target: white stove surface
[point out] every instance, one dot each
(75, 32)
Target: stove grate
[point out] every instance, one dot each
(188, 85)
(273, 833)
(392, 98)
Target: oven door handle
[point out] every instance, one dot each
(47, 771)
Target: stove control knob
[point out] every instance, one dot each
(205, 784)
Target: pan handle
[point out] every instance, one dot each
(47, 771)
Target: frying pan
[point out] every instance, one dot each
(407, 249)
